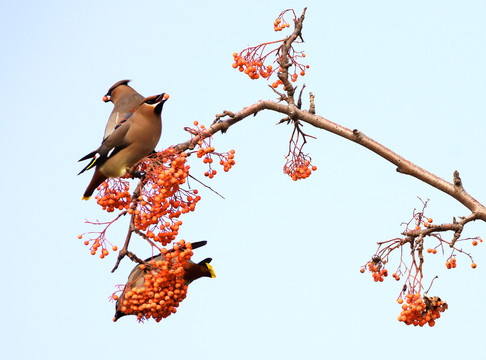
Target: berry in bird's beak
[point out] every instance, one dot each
(106, 98)
(162, 97)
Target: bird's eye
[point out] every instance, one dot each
(151, 100)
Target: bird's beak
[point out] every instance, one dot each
(162, 97)
(160, 100)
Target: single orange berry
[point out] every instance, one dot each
(473, 265)
(80, 237)
(400, 301)
(115, 248)
(430, 220)
(475, 243)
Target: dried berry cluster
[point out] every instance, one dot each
(418, 310)
(159, 288)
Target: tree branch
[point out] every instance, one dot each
(455, 189)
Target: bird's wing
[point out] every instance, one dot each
(136, 278)
(109, 147)
(156, 258)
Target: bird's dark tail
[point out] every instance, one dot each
(96, 181)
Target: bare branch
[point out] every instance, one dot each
(403, 166)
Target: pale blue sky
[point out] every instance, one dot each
(287, 255)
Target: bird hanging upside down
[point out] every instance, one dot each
(155, 289)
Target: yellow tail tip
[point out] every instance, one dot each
(85, 198)
(211, 271)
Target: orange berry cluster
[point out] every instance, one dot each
(377, 270)
(206, 151)
(451, 263)
(418, 310)
(432, 251)
(225, 159)
(160, 287)
(99, 242)
(280, 24)
(114, 194)
(396, 276)
(277, 83)
(251, 60)
(162, 200)
(299, 167)
(475, 241)
(293, 77)
(426, 222)
(252, 67)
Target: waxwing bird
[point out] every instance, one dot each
(131, 141)
(192, 271)
(125, 100)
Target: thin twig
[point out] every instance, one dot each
(209, 187)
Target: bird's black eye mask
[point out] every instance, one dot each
(157, 98)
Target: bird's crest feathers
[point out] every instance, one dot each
(107, 96)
